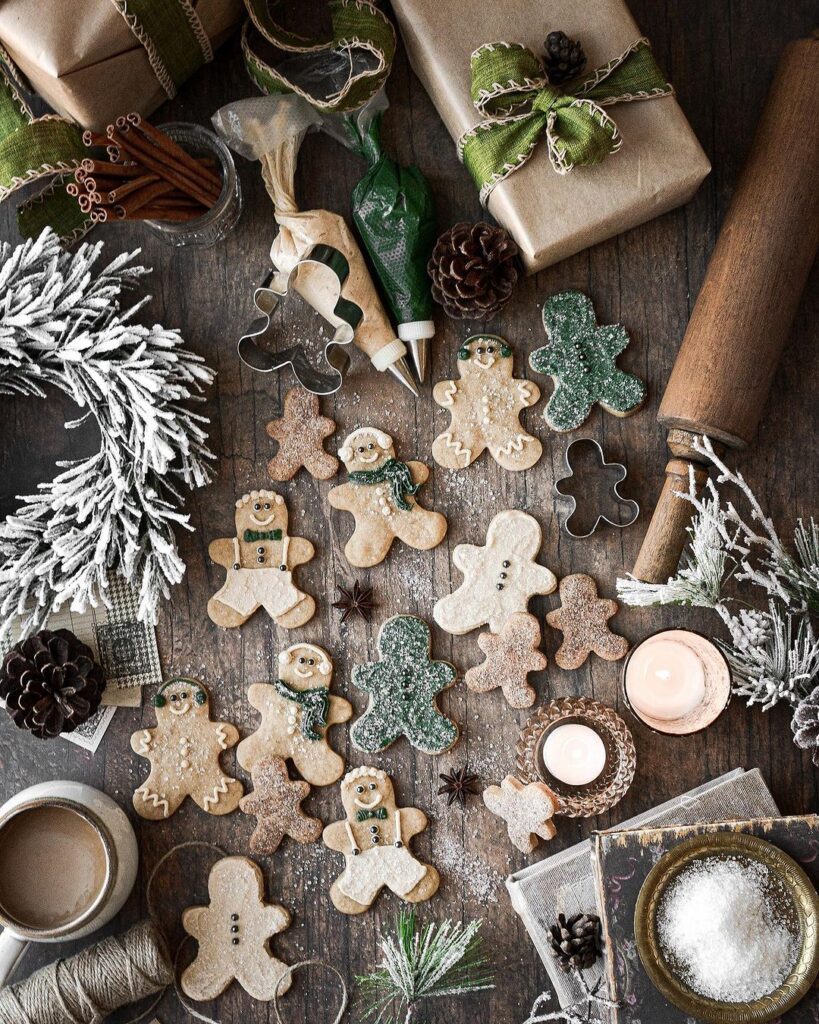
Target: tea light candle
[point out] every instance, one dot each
(574, 754)
(665, 680)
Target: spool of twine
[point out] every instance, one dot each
(86, 987)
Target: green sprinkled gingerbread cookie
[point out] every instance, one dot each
(402, 687)
(580, 357)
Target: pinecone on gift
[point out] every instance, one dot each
(473, 269)
(564, 58)
(50, 683)
(576, 941)
(805, 724)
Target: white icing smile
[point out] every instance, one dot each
(484, 361)
(304, 673)
(262, 522)
(368, 458)
(376, 800)
(181, 709)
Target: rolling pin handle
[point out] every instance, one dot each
(668, 530)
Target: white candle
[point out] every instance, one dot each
(665, 679)
(574, 754)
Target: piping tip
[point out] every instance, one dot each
(401, 371)
(419, 351)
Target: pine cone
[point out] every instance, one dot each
(564, 58)
(805, 724)
(51, 683)
(576, 942)
(473, 269)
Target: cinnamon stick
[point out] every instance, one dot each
(152, 158)
(119, 192)
(143, 196)
(181, 157)
(154, 213)
(91, 166)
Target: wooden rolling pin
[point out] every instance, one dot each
(743, 314)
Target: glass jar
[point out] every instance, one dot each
(224, 215)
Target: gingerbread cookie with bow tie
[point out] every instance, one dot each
(260, 561)
(297, 713)
(234, 932)
(381, 497)
(374, 838)
(499, 578)
(183, 750)
(485, 407)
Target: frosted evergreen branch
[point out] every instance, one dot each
(439, 960)
(583, 1011)
(61, 324)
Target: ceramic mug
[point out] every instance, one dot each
(68, 862)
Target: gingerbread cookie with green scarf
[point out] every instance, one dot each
(297, 712)
(403, 688)
(381, 496)
(581, 359)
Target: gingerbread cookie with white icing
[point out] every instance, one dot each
(260, 560)
(297, 712)
(374, 838)
(485, 407)
(381, 496)
(184, 751)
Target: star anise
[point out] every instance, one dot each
(356, 599)
(458, 785)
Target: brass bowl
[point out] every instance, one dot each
(806, 910)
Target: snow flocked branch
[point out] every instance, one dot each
(61, 324)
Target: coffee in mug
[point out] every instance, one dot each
(55, 867)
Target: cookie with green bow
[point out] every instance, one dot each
(403, 688)
(581, 359)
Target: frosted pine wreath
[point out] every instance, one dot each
(62, 325)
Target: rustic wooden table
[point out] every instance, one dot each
(721, 57)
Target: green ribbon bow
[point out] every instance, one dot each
(397, 474)
(251, 535)
(315, 707)
(578, 132)
(362, 39)
(380, 814)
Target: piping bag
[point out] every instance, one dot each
(270, 129)
(394, 211)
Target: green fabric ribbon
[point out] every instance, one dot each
(360, 32)
(315, 707)
(397, 474)
(578, 132)
(380, 814)
(251, 535)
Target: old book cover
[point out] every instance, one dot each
(623, 859)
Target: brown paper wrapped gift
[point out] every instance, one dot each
(84, 60)
(552, 216)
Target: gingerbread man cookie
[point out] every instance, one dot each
(527, 810)
(485, 406)
(510, 656)
(381, 497)
(297, 712)
(374, 838)
(183, 751)
(233, 933)
(275, 803)
(260, 560)
(580, 358)
(301, 431)
(582, 618)
(403, 688)
(499, 578)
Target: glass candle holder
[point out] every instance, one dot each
(224, 215)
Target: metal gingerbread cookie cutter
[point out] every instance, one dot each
(612, 490)
(320, 380)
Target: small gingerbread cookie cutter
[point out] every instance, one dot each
(348, 315)
(613, 491)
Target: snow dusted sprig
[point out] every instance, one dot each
(591, 1008)
(773, 654)
(61, 324)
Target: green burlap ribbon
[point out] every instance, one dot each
(395, 473)
(33, 148)
(360, 31)
(507, 77)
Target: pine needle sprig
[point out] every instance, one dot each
(438, 960)
(591, 1008)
